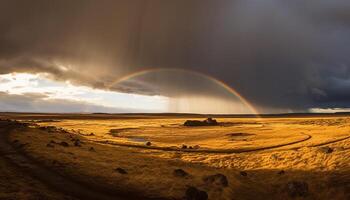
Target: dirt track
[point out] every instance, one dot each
(217, 151)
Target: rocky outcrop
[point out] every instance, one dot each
(207, 122)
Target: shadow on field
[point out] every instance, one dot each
(280, 184)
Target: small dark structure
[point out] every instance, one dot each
(207, 122)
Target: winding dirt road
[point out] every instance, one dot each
(224, 151)
(216, 151)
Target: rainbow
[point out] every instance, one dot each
(214, 80)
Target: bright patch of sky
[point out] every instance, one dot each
(24, 83)
(329, 110)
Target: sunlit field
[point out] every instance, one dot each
(258, 158)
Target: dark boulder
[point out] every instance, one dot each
(184, 146)
(121, 170)
(297, 189)
(148, 143)
(180, 173)
(326, 150)
(193, 193)
(217, 180)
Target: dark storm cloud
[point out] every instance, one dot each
(290, 55)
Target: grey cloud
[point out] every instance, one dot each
(34, 102)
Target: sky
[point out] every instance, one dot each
(278, 55)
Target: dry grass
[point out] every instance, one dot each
(151, 171)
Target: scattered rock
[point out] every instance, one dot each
(180, 173)
(15, 141)
(50, 145)
(77, 143)
(207, 122)
(297, 189)
(196, 147)
(184, 146)
(91, 134)
(64, 144)
(148, 143)
(92, 149)
(190, 147)
(121, 170)
(217, 179)
(326, 149)
(193, 193)
(242, 173)
(281, 172)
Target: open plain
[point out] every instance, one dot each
(157, 157)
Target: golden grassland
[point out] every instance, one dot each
(279, 150)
